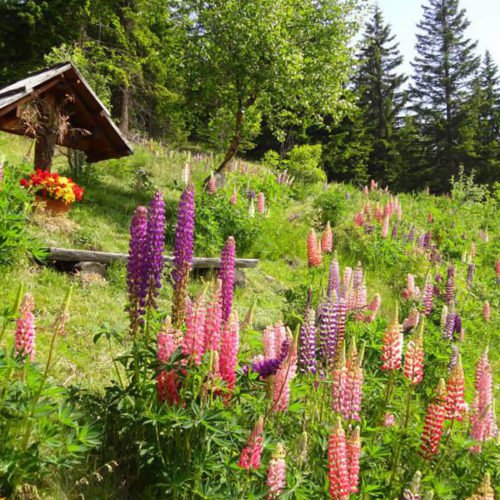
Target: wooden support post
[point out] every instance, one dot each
(47, 131)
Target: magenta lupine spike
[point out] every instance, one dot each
(276, 473)
(428, 296)
(155, 238)
(261, 203)
(230, 340)
(353, 451)
(470, 274)
(421, 241)
(450, 284)
(346, 282)
(487, 311)
(282, 380)
(392, 348)
(334, 278)
(251, 454)
(328, 330)
(213, 319)
(193, 343)
(25, 330)
(136, 269)
(227, 276)
(307, 354)
(483, 422)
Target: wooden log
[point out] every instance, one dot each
(71, 255)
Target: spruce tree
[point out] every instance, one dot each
(380, 95)
(443, 70)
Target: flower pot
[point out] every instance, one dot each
(53, 207)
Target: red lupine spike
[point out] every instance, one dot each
(434, 422)
(250, 455)
(338, 467)
(313, 255)
(456, 406)
(353, 449)
(392, 349)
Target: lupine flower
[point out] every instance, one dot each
(394, 232)
(359, 220)
(365, 190)
(497, 269)
(339, 381)
(414, 358)
(483, 423)
(449, 325)
(25, 329)
(392, 348)
(313, 255)
(346, 282)
(413, 491)
(357, 278)
(334, 278)
(372, 310)
(227, 276)
(155, 240)
(360, 296)
(389, 419)
(385, 227)
(167, 344)
(327, 239)
(213, 319)
(234, 197)
(307, 353)
(455, 393)
(486, 311)
(352, 395)
(230, 340)
(353, 449)
(167, 387)
(136, 272)
(276, 473)
(411, 235)
(212, 185)
(183, 253)
(428, 296)
(261, 203)
(453, 356)
(444, 317)
(373, 185)
(412, 320)
(277, 342)
(450, 284)
(328, 330)
(470, 274)
(340, 322)
(434, 422)
(250, 455)
(484, 491)
(409, 291)
(338, 467)
(193, 343)
(282, 379)
(458, 332)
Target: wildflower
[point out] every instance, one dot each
(497, 269)
(372, 310)
(357, 279)
(455, 393)
(250, 455)
(485, 490)
(211, 184)
(136, 273)
(340, 322)
(167, 387)
(338, 467)
(412, 320)
(392, 347)
(486, 311)
(25, 329)
(339, 381)
(434, 422)
(450, 284)
(277, 342)
(414, 358)
(360, 296)
(227, 276)
(409, 291)
(276, 473)
(413, 491)
(282, 379)
(183, 253)
(449, 325)
(346, 282)
(155, 237)
(261, 203)
(307, 354)
(230, 340)
(470, 274)
(359, 220)
(353, 451)
(385, 227)
(351, 405)
(234, 197)
(389, 419)
(313, 255)
(483, 422)
(328, 330)
(428, 296)
(213, 319)
(394, 232)
(327, 239)
(193, 343)
(334, 278)
(167, 343)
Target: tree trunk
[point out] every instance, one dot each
(125, 110)
(47, 132)
(45, 147)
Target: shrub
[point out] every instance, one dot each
(303, 163)
(332, 206)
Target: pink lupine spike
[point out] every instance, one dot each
(346, 282)
(234, 197)
(389, 419)
(339, 381)
(351, 398)
(261, 203)
(392, 348)
(193, 343)
(338, 467)
(361, 297)
(230, 340)
(385, 227)
(414, 359)
(212, 185)
(313, 255)
(251, 453)
(276, 473)
(357, 277)
(372, 310)
(213, 319)
(25, 329)
(434, 422)
(167, 387)
(353, 451)
(412, 320)
(456, 406)
(359, 220)
(327, 239)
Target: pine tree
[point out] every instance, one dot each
(380, 94)
(444, 68)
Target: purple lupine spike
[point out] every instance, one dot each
(420, 241)
(267, 367)
(227, 276)
(307, 353)
(450, 284)
(457, 333)
(411, 235)
(470, 274)
(449, 323)
(428, 296)
(427, 240)
(453, 357)
(334, 278)
(136, 271)
(340, 324)
(327, 331)
(155, 241)
(183, 253)
(394, 233)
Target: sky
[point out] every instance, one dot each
(484, 16)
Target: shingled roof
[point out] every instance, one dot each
(96, 133)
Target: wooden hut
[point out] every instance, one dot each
(56, 106)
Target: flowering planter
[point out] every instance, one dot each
(54, 207)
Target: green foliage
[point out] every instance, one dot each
(303, 163)
(332, 206)
(464, 189)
